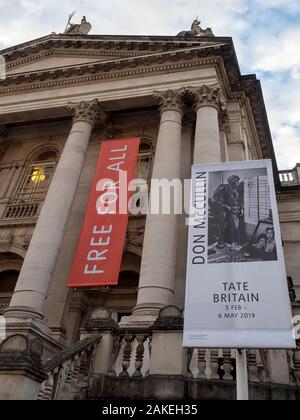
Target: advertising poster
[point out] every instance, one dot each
(237, 292)
(101, 245)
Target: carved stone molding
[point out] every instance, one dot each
(136, 232)
(5, 239)
(68, 43)
(225, 123)
(288, 196)
(18, 353)
(90, 112)
(170, 100)
(71, 52)
(208, 96)
(169, 319)
(100, 71)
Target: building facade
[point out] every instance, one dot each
(186, 99)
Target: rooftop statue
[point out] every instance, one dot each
(82, 28)
(196, 30)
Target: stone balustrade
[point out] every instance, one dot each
(21, 211)
(220, 364)
(289, 178)
(131, 354)
(70, 373)
(295, 364)
(149, 362)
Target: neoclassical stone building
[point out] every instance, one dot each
(187, 100)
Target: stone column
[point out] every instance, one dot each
(168, 359)
(30, 293)
(156, 288)
(208, 103)
(188, 132)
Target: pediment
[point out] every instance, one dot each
(55, 61)
(59, 51)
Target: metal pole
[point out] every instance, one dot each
(242, 376)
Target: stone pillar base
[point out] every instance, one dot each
(18, 387)
(21, 373)
(160, 387)
(102, 323)
(137, 321)
(167, 334)
(33, 329)
(144, 315)
(279, 372)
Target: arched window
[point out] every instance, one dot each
(144, 172)
(129, 283)
(35, 184)
(8, 281)
(145, 159)
(129, 279)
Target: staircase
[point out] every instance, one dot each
(70, 372)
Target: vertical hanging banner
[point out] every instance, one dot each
(237, 293)
(100, 250)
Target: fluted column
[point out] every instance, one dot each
(32, 286)
(156, 287)
(208, 103)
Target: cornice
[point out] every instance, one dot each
(100, 71)
(70, 53)
(129, 61)
(137, 44)
(288, 196)
(289, 217)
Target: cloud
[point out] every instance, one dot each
(265, 33)
(284, 5)
(286, 142)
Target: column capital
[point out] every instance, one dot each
(208, 96)
(170, 100)
(90, 112)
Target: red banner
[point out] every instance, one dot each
(100, 250)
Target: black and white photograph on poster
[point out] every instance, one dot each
(240, 227)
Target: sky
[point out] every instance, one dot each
(266, 35)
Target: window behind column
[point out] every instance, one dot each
(33, 187)
(145, 159)
(8, 281)
(37, 179)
